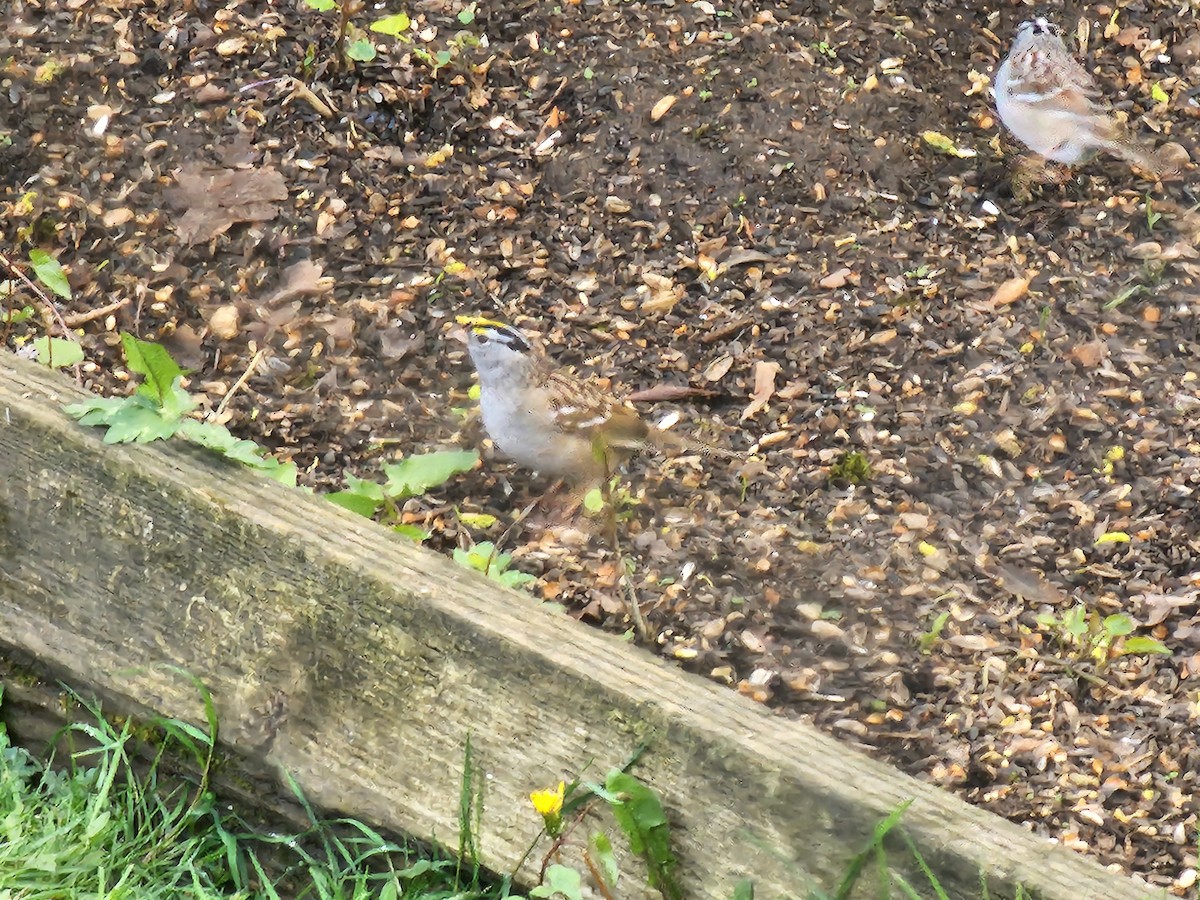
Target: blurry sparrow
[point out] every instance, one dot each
(550, 421)
(1048, 100)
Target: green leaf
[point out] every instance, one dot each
(466, 15)
(219, 439)
(365, 488)
(417, 474)
(57, 353)
(176, 404)
(1119, 624)
(479, 557)
(474, 557)
(560, 882)
(411, 532)
(285, 473)
(17, 316)
(361, 50)
(743, 890)
(603, 851)
(1075, 621)
(321, 5)
(593, 500)
(355, 502)
(514, 578)
(484, 558)
(1159, 95)
(95, 408)
(392, 25)
(153, 363)
(1142, 644)
(641, 816)
(928, 639)
(128, 419)
(443, 58)
(1113, 537)
(943, 144)
(477, 520)
(50, 273)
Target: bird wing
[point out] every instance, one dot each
(615, 427)
(1048, 74)
(580, 407)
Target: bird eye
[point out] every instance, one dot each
(481, 337)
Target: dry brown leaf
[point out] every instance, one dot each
(662, 107)
(1009, 292)
(301, 279)
(215, 199)
(835, 279)
(664, 293)
(1090, 354)
(117, 217)
(1028, 584)
(718, 368)
(764, 387)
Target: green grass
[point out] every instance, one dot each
(106, 825)
(104, 821)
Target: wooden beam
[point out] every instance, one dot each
(361, 663)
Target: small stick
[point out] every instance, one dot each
(77, 319)
(237, 385)
(301, 91)
(631, 600)
(601, 884)
(496, 545)
(46, 301)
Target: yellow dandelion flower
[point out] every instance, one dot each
(549, 806)
(548, 803)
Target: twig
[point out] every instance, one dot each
(301, 91)
(496, 545)
(77, 319)
(263, 83)
(237, 386)
(559, 843)
(1075, 672)
(47, 302)
(597, 875)
(631, 600)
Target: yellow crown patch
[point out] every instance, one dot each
(478, 323)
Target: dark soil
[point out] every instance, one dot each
(784, 224)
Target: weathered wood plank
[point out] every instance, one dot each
(361, 663)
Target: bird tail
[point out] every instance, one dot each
(671, 444)
(1140, 155)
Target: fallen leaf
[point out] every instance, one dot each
(718, 368)
(1028, 584)
(764, 387)
(1009, 292)
(216, 199)
(301, 279)
(835, 279)
(662, 107)
(1090, 354)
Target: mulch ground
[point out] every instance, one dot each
(724, 196)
